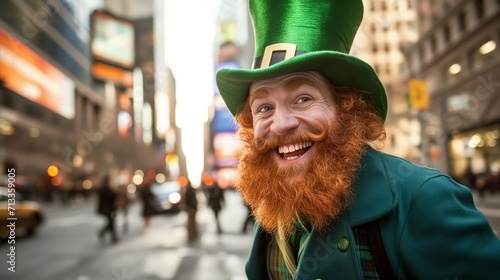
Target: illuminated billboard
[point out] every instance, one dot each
(26, 73)
(227, 149)
(113, 40)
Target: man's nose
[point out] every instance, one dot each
(284, 122)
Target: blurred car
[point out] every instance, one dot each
(28, 213)
(167, 196)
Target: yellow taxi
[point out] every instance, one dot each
(17, 215)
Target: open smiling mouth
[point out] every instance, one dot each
(294, 151)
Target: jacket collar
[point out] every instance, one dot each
(374, 195)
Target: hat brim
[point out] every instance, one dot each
(341, 69)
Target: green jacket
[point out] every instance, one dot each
(429, 224)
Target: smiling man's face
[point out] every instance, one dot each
(303, 142)
(285, 111)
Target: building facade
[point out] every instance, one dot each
(386, 28)
(56, 109)
(457, 58)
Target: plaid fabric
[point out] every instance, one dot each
(364, 255)
(276, 262)
(277, 267)
(278, 270)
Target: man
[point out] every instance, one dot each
(215, 201)
(106, 206)
(190, 202)
(327, 203)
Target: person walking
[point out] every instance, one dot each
(148, 203)
(249, 219)
(107, 208)
(190, 206)
(122, 204)
(215, 201)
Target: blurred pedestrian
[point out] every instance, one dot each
(122, 203)
(469, 178)
(215, 201)
(249, 219)
(493, 179)
(66, 191)
(148, 203)
(190, 206)
(107, 207)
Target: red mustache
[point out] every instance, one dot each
(263, 145)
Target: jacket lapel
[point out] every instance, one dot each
(373, 198)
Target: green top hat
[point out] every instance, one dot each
(304, 35)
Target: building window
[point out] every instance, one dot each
(446, 34)
(386, 48)
(484, 53)
(410, 27)
(373, 28)
(433, 43)
(462, 24)
(483, 144)
(388, 69)
(446, 6)
(384, 6)
(374, 49)
(421, 53)
(6, 98)
(479, 9)
(385, 24)
(372, 5)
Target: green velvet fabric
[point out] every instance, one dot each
(323, 31)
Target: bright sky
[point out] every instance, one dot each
(189, 41)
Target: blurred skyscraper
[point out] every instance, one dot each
(78, 90)
(387, 27)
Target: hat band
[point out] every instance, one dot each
(276, 53)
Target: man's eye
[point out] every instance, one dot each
(303, 99)
(264, 109)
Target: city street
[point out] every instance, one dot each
(67, 246)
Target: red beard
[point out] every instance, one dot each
(316, 191)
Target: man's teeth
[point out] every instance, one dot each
(293, 147)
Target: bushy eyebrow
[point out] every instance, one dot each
(258, 94)
(297, 82)
(289, 85)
